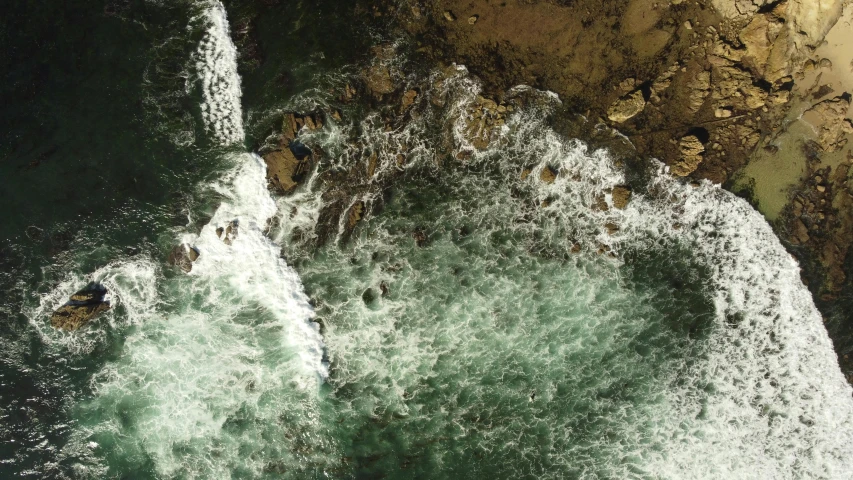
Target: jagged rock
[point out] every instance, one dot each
(548, 175)
(611, 228)
(229, 234)
(736, 87)
(82, 307)
(409, 98)
(829, 119)
(484, 117)
(626, 107)
(662, 83)
(699, 87)
(723, 112)
(801, 232)
(473, 19)
(183, 256)
(348, 94)
(691, 156)
(621, 196)
(355, 214)
(294, 122)
(283, 169)
(378, 77)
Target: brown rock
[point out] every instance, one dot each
(355, 214)
(829, 118)
(181, 256)
(611, 228)
(473, 19)
(801, 232)
(449, 16)
(82, 307)
(621, 197)
(282, 167)
(690, 158)
(699, 87)
(378, 77)
(548, 175)
(626, 107)
(409, 98)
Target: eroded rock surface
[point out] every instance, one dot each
(81, 308)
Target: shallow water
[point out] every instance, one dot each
(476, 325)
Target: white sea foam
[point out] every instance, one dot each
(132, 288)
(230, 358)
(774, 403)
(216, 67)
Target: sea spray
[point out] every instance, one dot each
(470, 338)
(231, 358)
(467, 337)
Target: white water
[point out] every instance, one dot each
(229, 353)
(780, 407)
(216, 67)
(219, 375)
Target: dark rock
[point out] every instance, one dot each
(183, 256)
(82, 307)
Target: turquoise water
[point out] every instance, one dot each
(476, 324)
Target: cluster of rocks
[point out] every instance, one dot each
(483, 120)
(821, 219)
(82, 307)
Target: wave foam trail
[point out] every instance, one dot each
(216, 64)
(235, 361)
(222, 378)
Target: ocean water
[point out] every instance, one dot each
(478, 323)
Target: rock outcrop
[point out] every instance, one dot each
(621, 196)
(626, 107)
(81, 308)
(484, 118)
(183, 256)
(290, 161)
(691, 156)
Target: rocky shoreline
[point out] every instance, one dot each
(753, 95)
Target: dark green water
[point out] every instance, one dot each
(486, 349)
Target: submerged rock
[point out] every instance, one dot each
(82, 307)
(183, 256)
(378, 78)
(829, 119)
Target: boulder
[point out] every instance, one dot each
(621, 196)
(548, 175)
(378, 76)
(285, 170)
(355, 214)
(183, 256)
(690, 158)
(626, 107)
(82, 307)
